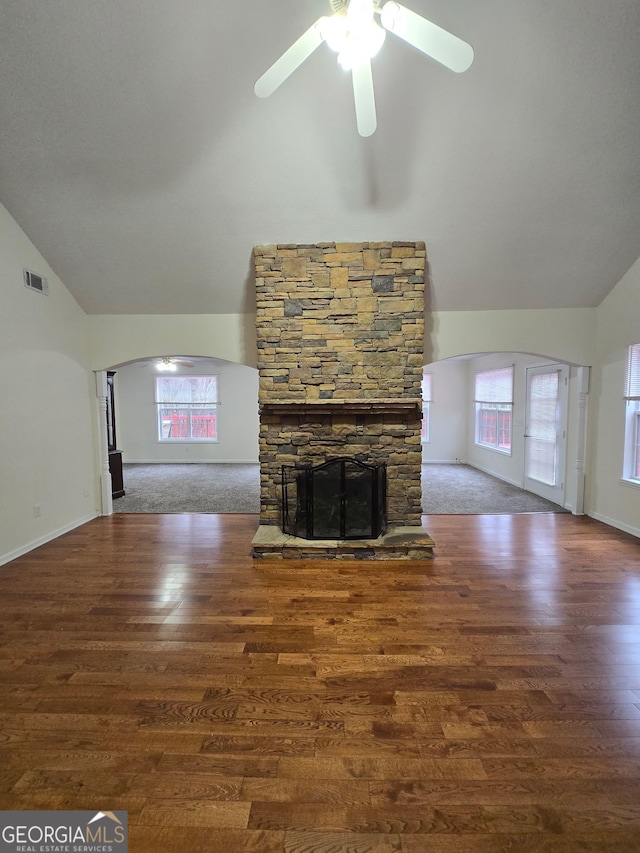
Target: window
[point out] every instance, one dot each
(187, 408)
(494, 408)
(426, 402)
(542, 426)
(632, 418)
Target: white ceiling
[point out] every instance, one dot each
(136, 157)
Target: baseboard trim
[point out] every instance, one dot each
(190, 462)
(626, 528)
(42, 540)
(508, 480)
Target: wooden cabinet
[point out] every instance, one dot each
(115, 468)
(115, 455)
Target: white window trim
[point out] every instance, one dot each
(158, 405)
(480, 404)
(427, 398)
(632, 415)
(632, 484)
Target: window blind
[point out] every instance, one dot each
(494, 386)
(542, 448)
(632, 383)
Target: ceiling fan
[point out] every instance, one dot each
(354, 33)
(170, 363)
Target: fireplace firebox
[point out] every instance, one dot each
(342, 498)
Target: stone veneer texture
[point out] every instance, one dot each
(340, 324)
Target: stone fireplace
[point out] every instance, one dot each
(340, 331)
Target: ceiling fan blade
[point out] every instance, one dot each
(289, 61)
(364, 98)
(444, 47)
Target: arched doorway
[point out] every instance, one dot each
(453, 424)
(187, 454)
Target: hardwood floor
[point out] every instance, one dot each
(488, 700)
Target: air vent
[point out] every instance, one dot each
(36, 282)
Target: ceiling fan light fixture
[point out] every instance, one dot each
(334, 31)
(354, 36)
(361, 45)
(166, 364)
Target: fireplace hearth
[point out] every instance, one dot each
(341, 498)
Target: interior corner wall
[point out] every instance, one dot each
(237, 417)
(47, 473)
(449, 412)
(608, 498)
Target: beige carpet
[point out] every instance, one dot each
(210, 487)
(206, 487)
(463, 490)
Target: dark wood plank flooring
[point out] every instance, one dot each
(488, 700)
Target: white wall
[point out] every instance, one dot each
(608, 498)
(46, 403)
(449, 412)
(565, 335)
(237, 415)
(119, 338)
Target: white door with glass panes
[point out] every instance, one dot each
(546, 431)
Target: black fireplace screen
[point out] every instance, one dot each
(339, 499)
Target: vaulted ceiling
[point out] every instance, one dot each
(135, 155)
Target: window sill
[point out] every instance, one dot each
(493, 449)
(633, 484)
(197, 441)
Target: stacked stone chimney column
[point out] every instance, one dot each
(340, 356)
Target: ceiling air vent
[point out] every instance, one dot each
(36, 282)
